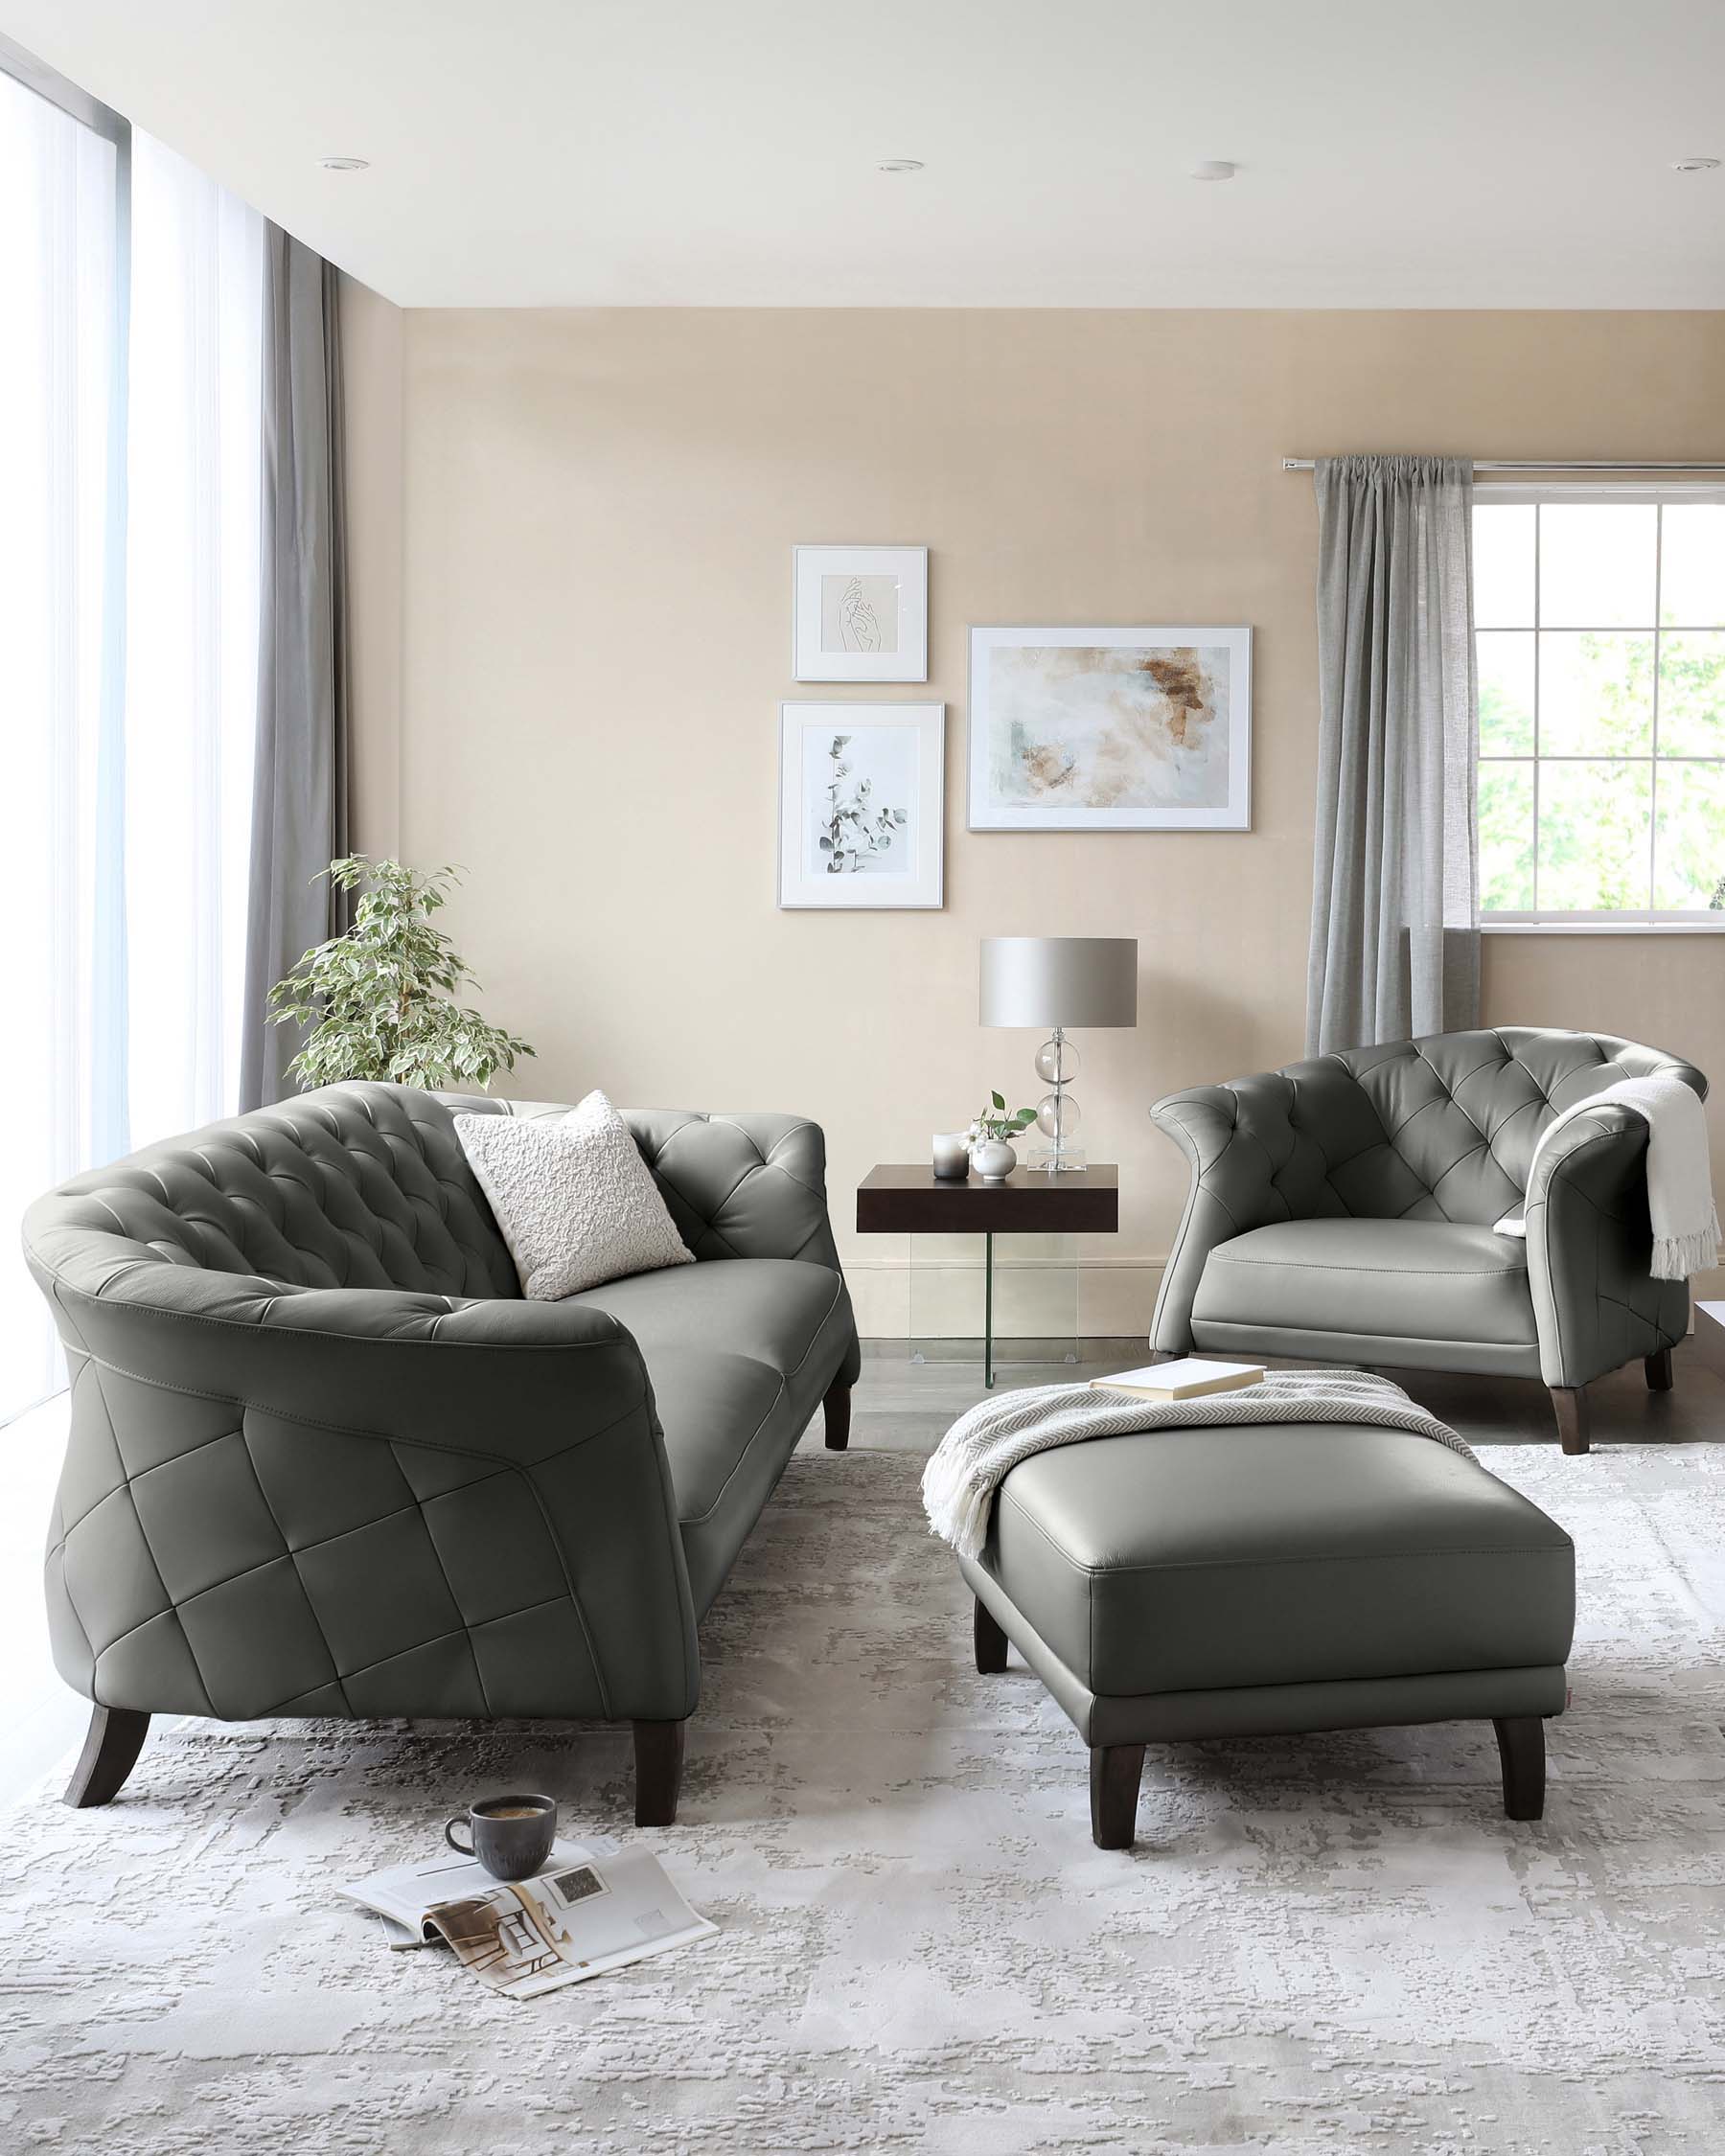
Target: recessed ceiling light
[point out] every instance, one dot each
(1214, 169)
(345, 164)
(1697, 165)
(900, 164)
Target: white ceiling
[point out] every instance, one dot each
(722, 152)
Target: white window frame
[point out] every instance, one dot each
(1629, 921)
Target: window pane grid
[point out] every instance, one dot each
(1653, 776)
(1573, 850)
(1538, 570)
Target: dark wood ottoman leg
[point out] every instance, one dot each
(1659, 1370)
(837, 1405)
(1116, 1771)
(990, 1643)
(658, 1750)
(109, 1754)
(1568, 1403)
(1521, 1747)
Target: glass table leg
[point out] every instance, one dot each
(987, 1312)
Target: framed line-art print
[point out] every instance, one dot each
(861, 614)
(1111, 729)
(862, 805)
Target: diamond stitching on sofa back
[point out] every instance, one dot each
(1463, 1112)
(361, 1187)
(1439, 1129)
(752, 1186)
(738, 1185)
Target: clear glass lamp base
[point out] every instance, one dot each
(1050, 1160)
(1057, 1115)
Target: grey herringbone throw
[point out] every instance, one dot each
(988, 1441)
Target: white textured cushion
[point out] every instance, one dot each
(575, 1201)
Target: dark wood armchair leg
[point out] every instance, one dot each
(1659, 1370)
(109, 1754)
(1116, 1771)
(837, 1406)
(1568, 1403)
(990, 1643)
(658, 1752)
(1521, 1748)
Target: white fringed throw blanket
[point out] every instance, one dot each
(985, 1444)
(1680, 1200)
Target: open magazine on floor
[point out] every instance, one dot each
(591, 1908)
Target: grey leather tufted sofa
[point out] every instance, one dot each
(1342, 1210)
(326, 1460)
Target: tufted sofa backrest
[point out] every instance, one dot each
(1439, 1129)
(737, 1186)
(366, 1187)
(350, 1186)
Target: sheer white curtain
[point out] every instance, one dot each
(194, 567)
(130, 565)
(62, 463)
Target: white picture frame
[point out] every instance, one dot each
(873, 774)
(1153, 734)
(860, 614)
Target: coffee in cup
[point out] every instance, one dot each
(510, 1836)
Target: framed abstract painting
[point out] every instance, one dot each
(1111, 729)
(861, 614)
(861, 804)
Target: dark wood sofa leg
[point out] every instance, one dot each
(109, 1754)
(1659, 1370)
(990, 1643)
(1521, 1748)
(658, 1752)
(1116, 1771)
(1569, 1402)
(837, 1405)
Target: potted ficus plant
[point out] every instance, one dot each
(992, 1135)
(381, 1000)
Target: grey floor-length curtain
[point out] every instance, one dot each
(1396, 938)
(300, 788)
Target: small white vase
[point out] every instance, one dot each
(993, 1160)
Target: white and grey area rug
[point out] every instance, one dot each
(1330, 1945)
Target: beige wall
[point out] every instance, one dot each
(596, 513)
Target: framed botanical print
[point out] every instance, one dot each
(861, 804)
(861, 614)
(1111, 729)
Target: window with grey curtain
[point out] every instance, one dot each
(300, 786)
(1396, 938)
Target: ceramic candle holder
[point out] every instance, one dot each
(952, 1154)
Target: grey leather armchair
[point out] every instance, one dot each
(1342, 1210)
(325, 1460)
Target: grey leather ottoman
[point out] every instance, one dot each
(1178, 1584)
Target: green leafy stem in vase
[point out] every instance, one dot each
(1004, 1123)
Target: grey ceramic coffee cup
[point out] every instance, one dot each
(510, 1836)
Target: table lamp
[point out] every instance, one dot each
(1058, 981)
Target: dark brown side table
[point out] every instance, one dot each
(898, 1199)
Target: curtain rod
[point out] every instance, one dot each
(1552, 464)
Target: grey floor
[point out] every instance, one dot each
(898, 1405)
(905, 1406)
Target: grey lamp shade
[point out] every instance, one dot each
(1059, 980)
